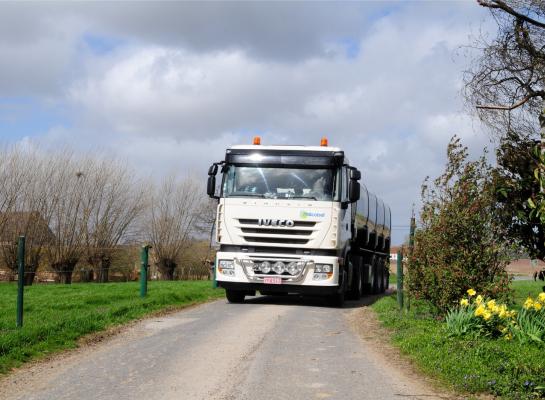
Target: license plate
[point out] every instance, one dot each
(272, 280)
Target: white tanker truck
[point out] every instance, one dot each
(295, 219)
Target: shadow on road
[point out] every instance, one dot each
(314, 301)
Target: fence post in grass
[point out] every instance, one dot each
(20, 280)
(144, 255)
(400, 279)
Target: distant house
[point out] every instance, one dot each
(31, 224)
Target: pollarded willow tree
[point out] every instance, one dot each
(114, 200)
(28, 214)
(506, 85)
(173, 211)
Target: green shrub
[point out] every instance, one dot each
(457, 245)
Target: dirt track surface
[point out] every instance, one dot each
(268, 348)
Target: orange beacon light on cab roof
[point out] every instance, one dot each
(257, 140)
(323, 142)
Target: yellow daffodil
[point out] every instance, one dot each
(491, 304)
(479, 299)
(529, 303)
(487, 315)
(464, 302)
(471, 292)
(480, 311)
(541, 297)
(537, 306)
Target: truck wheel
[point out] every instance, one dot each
(337, 299)
(376, 277)
(380, 268)
(356, 289)
(235, 296)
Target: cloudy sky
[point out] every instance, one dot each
(167, 86)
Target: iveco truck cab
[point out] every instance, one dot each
(296, 219)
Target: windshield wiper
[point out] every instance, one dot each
(302, 197)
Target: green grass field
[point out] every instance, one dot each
(56, 316)
(503, 368)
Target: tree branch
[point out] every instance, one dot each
(506, 108)
(500, 4)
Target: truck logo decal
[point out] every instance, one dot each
(275, 222)
(306, 214)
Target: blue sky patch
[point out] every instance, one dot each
(100, 44)
(28, 117)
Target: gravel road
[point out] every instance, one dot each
(267, 348)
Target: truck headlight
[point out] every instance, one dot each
(226, 264)
(226, 267)
(326, 268)
(322, 272)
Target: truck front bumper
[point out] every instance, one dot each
(243, 277)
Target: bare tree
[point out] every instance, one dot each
(172, 220)
(507, 82)
(507, 87)
(28, 215)
(114, 199)
(66, 200)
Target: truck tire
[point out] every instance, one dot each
(376, 277)
(337, 299)
(386, 278)
(382, 274)
(367, 281)
(235, 296)
(356, 289)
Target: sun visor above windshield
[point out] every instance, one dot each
(291, 158)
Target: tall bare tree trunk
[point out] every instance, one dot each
(64, 270)
(166, 268)
(103, 269)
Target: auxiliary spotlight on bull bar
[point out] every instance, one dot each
(287, 270)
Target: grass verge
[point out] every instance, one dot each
(56, 316)
(502, 368)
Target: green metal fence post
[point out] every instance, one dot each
(144, 254)
(400, 279)
(21, 279)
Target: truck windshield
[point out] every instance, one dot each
(279, 183)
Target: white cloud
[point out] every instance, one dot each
(164, 104)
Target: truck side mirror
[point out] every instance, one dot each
(213, 170)
(355, 174)
(211, 186)
(353, 191)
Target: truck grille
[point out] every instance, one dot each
(299, 234)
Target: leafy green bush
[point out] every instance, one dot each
(457, 245)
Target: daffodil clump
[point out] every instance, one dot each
(483, 316)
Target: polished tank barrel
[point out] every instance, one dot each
(373, 221)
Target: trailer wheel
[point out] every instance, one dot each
(235, 296)
(376, 276)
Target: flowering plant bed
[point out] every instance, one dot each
(477, 315)
(480, 360)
